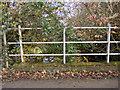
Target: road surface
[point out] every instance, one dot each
(69, 83)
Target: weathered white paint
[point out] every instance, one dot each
(66, 27)
(108, 47)
(64, 42)
(20, 40)
(5, 43)
(64, 49)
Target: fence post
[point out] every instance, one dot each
(5, 43)
(20, 40)
(64, 58)
(1, 53)
(108, 46)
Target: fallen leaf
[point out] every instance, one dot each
(3, 84)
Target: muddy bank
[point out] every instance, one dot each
(64, 68)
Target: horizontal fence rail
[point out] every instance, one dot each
(108, 42)
(63, 42)
(66, 27)
(63, 54)
(36, 54)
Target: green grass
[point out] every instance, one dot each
(96, 64)
(24, 65)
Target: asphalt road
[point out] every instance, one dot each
(74, 83)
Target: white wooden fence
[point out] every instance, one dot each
(64, 43)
